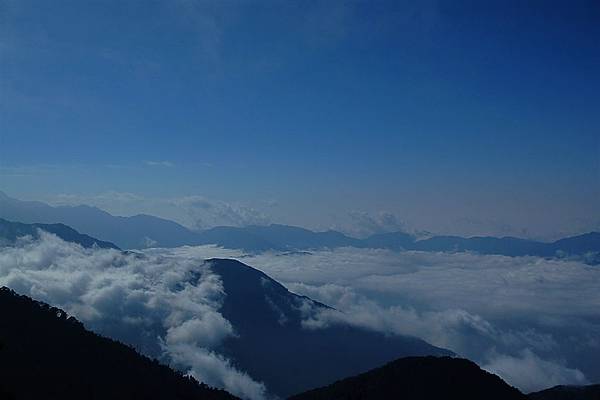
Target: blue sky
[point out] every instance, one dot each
(439, 113)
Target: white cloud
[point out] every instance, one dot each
(531, 373)
(201, 212)
(476, 305)
(522, 308)
(209, 366)
(163, 163)
(146, 300)
(527, 319)
(362, 224)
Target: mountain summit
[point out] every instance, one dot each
(419, 378)
(274, 344)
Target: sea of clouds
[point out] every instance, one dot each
(534, 322)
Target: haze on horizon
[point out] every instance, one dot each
(449, 117)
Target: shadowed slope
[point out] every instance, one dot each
(45, 355)
(419, 378)
(273, 346)
(590, 392)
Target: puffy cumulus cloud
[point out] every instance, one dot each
(205, 213)
(495, 310)
(531, 373)
(194, 212)
(210, 366)
(447, 328)
(363, 224)
(165, 306)
(205, 331)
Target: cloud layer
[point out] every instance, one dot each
(532, 321)
(145, 300)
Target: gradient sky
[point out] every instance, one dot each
(457, 117)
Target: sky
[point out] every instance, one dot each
(449, 117)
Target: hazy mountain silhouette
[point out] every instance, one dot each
(391, 240)
(421, 378)
(275, 237)
(46, 355)
(590, 392)
(274, 347)
(585, 247)
(141, 231)
(126, 232)
(11, 231)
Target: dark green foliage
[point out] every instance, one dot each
(46, 355)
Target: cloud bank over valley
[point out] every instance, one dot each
(533, 321)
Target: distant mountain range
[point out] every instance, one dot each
(126, 232)
(141, 231)
(437, 378)
(11, 231)
(46, 355)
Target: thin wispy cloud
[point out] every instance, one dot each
(165, 163)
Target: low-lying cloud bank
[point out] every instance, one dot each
(534, 322)
(145, 300)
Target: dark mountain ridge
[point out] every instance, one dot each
(563, 392)
(268, 320)
(46, 355)
(424, 378)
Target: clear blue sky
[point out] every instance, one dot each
(433, 111)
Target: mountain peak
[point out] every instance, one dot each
(265, 315)
(419, 378)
